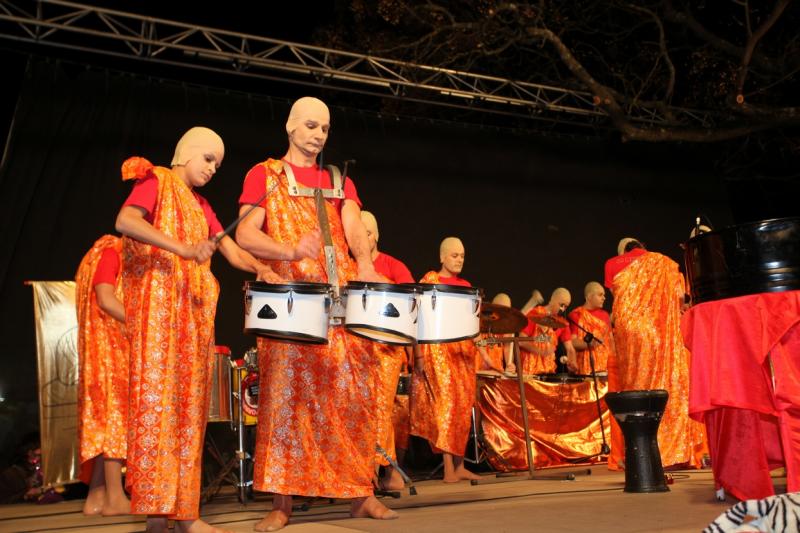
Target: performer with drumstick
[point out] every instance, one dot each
(103, 378)
(593, 318)
(316, 420)
(170, 302)
(548, 328)
(444, 382)
(392, 359)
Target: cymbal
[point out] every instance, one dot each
(497, 318)
(550, 321)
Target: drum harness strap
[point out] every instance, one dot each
(337, 309)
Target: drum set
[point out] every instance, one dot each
(400, 314)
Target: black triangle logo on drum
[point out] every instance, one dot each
(390, 310)
(267, 312)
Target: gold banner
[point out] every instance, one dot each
(57, 356)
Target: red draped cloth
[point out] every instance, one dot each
(740, 347)
(170, 304)
(562, 419)
(650, 353)
(103, 360)
(444, 390)
(318, 404)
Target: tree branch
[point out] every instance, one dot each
(762, 30)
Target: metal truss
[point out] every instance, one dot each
(108, 32)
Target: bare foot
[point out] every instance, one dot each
(392, 480)
(157, 524)
(275, 520)
(116, 507)
(370, 507)
(465, 474)
(197, 526)
(94, 502)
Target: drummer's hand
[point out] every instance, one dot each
(367, 272)
(200, 252)
(265, 273)
(308, 247)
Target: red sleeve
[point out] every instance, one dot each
(350, 192)
(529, 329)
(144, 194)
(107, 268)
(254, 187)
(564, 334)
(609, 273)
(214, 225)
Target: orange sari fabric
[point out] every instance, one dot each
(543, 360)
(318, 404)
(600, 329)
(390, 359)
(650, 353)
(443, 392)
(103, 363)
(170, 304)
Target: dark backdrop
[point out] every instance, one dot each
(533, 211)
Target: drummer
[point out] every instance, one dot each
(538, 356)
(593, 318)
(443, 382)
(316, 423)
(497, 357)
(392, 360)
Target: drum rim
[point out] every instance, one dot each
(290, 337)
(442, 287)
(405, 288)
(410, 338)
(300, 287)
(445, 341)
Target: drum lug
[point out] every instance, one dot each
(290, 302)
(364, 300)
(328, 304)
(477, 304)
(433, 299)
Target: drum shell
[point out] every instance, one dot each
(300, 312)
(448, 313)
(219, 405)
(382, 312)
(238, 375)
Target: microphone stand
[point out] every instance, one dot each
(588, 338)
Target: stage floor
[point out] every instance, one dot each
(594, 502)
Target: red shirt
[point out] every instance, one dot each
(600, 313)
(616, 264)
(107, 268)
(392, 268)
(455, 280)
(255, 185)
(145, 195)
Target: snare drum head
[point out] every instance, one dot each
(301, 287)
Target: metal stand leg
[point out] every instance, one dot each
(412, 490)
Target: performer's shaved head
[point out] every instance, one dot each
(307, 108)
(195, 143)
(559, 300)
(451, 254)
(450, 243)
(370, 222)
(502, 298)
(591, 287)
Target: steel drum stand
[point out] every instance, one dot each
(241, 454)
(516, 339)
(588, 338)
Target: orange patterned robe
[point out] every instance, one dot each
(443, 392)
(170, 304)
(103, 362)
(600, 329)
(316, 431)
(650, 353)
(390, 359)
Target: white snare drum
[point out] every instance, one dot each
(448, 313)
(293, 312)
(383, 312)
